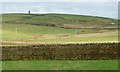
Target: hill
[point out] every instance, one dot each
(57, 28)
(61, 20)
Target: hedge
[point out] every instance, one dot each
(88, 51)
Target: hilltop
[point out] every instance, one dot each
(61, 20)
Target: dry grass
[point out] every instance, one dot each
(64, 38)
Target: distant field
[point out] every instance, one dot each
(61, 65)
(17, 26)
(58, 19)
(23, 33)
(24, 30)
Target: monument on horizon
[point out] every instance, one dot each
(28, 12)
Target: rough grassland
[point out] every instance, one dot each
(53, 28)
(45, 34)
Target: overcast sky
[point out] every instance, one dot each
(59, 0)
(103, 9)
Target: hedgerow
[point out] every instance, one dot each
(88, 51)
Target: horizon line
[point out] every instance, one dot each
(64, 13)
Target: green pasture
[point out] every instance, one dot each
(23, 30)
(16, 26)
(13, 31)
(74, 39)
(58, 19)
(61, 65)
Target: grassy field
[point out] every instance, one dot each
(57, 19)
(61, 65)
(45, 34)
(16, 26)
(21, 29)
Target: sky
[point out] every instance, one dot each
(59, 0)
(102, 9)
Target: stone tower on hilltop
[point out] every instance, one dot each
(28, 12)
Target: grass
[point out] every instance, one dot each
(61, 65)
(30, 26)
(46, 34)
(58, 19)
(25, 26)
(24, 30)
(83, 39)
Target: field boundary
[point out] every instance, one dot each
(14, 43)
(85, 51)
